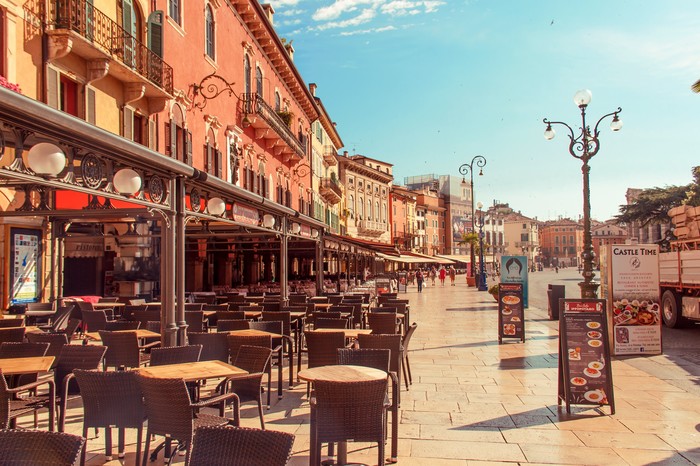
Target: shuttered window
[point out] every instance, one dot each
(174, 11)
(155, 32)
(128, 123)
(209, 31)
(219, 163)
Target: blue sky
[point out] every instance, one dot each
(427, 85)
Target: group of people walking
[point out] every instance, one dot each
(432, 273)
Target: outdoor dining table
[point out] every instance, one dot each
(140, 333)
(341, 373)
(350, 333)
(32, 365)
(193, 371)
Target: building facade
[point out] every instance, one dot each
(606, 234)
(522, 236)
(561, 243)
(403, 218)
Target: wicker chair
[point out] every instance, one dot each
(297, 299)
(343, 411)
(12, 335)
(94, 321)
(72, 357)
(265, 341)
(146, 316)
(195, 321)
(312, 316)
(230, 315)
(330, 323)
(175, 355)
(26, 447)
(12, 406)
(322, 349)
(214, 345)
(123, 349)
(279, 346)
(270, 306)
(59, 319)
(233, 324)
(112, 399)
(292, 344)
(39, 311)
(10, 323)
(390, 342)
(55, 341)
(406, 365)
(255, 360)
(172, 414)
(335, 299)
(383, 322)
(195, 306)
(22, 350)
(116, 325)
(240, 446)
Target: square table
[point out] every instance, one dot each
(19, 366)
(140, 333)
(350, 333)
(193, 371)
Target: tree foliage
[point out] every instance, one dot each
(652, 205)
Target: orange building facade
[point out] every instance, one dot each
(561, 242)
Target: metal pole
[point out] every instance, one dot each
(284, 259)
(179, 239)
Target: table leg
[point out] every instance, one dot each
(342, 453)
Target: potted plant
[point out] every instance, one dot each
(493, 291)
(286, 117)
(470, 239)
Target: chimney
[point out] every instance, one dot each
(290, 50)
(345, 153)
(269, 11)
(312, 88)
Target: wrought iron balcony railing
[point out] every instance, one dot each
(254, 104)
(92, 24)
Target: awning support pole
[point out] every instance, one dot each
(284, 260)
(179, 236)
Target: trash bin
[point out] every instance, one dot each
(554, 294)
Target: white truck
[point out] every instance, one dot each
(679, 277)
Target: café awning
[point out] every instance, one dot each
(456, 258)
(434, 259)
(404, 259)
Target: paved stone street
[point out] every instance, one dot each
(475, 402)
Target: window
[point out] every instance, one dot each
(351, 205)
(361, 206)
(212, 157)
(258, 81)
(571, 239)
(178, 140)
(278, 102)
(523, 237)
(209, 31)
(175, 11)
(246, 73)
(135, 127)
(369, 209)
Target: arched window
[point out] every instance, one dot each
(369, 209)
(262, 187)
(209, 31)
(361, 206)
(377, 213)
(278, 102)
(258, 81)
(384, 212)
(246, 73)
(351, 204)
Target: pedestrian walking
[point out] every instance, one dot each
(419, 280)
(453, 274)
(442, 274)
(433, 275)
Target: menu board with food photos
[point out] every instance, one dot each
(511, 318)
(585, 374)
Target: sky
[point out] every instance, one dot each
(428, 85)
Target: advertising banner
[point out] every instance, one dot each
(514, 270)
(460, 225)
(25, 269)
(511, 318)
(633, 294)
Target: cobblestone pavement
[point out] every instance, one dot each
(475, 402)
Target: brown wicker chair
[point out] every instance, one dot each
(175, 354)
(26, 447)
(112, 399)
(297, 299)
(343, 411)
(265, 341)
(214, 345)
(406, 365)
(383, 322)
(255, 360)
(195, 321)
(240, 446)
(94, 321)
(279, 346)
(10, 323)
(39, 312)
(292, 345)
(230, 315)
(172, 414)
(330, 323)
(123, 349)
(12, 406)
(233, 324)
(12, 335)
(335, 299)
(55, 341)
(312, 316)
(113, 326)
(22, 350)
(390, 342)
(195, 306)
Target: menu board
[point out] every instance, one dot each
(25, 269)
(585, 374)
(511, 318)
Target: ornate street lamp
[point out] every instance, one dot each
(482, 269)
(468, 168)
(584, 147)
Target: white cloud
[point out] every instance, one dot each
(278, 3)
(339, 7)
(406, 7)
(367, 31)
(365, 16)
(291, 12)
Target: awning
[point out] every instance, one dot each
(402, 259)
(436, 259)
(456, 258)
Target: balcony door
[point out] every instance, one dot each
(131, 25)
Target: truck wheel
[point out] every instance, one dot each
(671, 310)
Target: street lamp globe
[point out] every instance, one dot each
(479, 205)
(616, 124)
(549, 133)
(583, 97)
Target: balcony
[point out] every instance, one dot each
(76, 26)
(273, 129)
(528, 245)
(370, 228)
(329, 154)
(331, 190)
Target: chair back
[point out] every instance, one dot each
(382, 322)
(22, 350)
(335, 299)
(108, 299)
(11, 322)
(110, 398)
(214, 346)
(399, 306)
(311, 317)
(175, 355)
(195, 306)
(318, 299)
(230, 315)
(61, 318)
(39, 447)
(350, 410)
(407, 337)
(271, 326)
(122, 349)
(87, 357)
(122, 325)
(253, 359)
(390, 342)
(250, 308)
(129, 309)
(341, 308)
(279, 316)
(235, 299)
(254, 299)
(384, 297)
(297, 299)
(240, 446)
(14, 334)
(216, 307)
(320, 322)
(323, 347)
(376, 358)
(145, 316)
(255, 294)
(54, 340)
(385, 308)
(270, 306)
(39, 306)
(168, 407)
(195, 321)
(94, 321)
(236, 341)
(228, 325)
(71, 327)
(85, 305)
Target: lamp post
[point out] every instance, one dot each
(584, 147)
(482, 270)
(468, 168)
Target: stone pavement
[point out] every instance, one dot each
(475, 402)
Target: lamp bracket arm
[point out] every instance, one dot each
(612, 114)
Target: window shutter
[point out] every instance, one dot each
(152, 134)
(52, 87)
(267, 189)
(188, 147)
(90, 105)
(218, 163)
(155, 32)
(168, 127)
(209, 151)
(128, 127)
